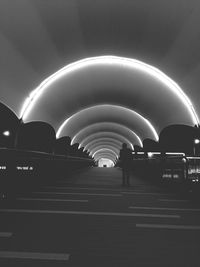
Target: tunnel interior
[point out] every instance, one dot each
(99, 133)
(101, 103)
(105, 101)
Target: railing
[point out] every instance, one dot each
(22, 170)
(167, 168)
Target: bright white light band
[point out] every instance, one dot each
(105, 155)
(105, 150)
(109, 135)
(102, 141)
(93, 150)
(29, 103)
(150, 154)
(91, 125)
(147, 122)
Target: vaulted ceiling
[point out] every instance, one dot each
(38, 38)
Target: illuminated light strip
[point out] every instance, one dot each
(105, 155)
(105, 140)
(167, 153)
(99, 147)
(137, 137)
(102, 146)
(107, 162)
(103, 143)
(152, 128)
(125, 140)
(116, 150)
(174, 153)
(109, 60)
(98, 157)
(91, 153)
(91, 147)
(95, 124)
(150, 154)
(104, 149)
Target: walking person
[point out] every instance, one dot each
(126, 161)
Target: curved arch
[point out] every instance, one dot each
(105, 126)
(105, 154)
(104, 150)
(99, 147)
(108, 113)
(105, 140)
(100, 143)
(146, 69)
(105, 161)
(106, 134)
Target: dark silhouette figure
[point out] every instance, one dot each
(126, 161)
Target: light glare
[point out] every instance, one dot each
(6, 133)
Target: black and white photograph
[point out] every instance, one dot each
(99, 133)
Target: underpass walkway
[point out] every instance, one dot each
(89, 219)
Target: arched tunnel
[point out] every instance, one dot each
(99, 133)
(109, 95)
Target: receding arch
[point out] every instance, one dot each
(128, 68)
(100, 147)
(108, 113)
(105, 150)
(107, 126)
(103, 143)
(103, 140)
(104, 161)
(105, 154)
(111, 135)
